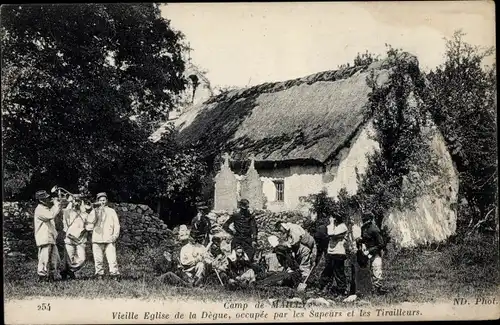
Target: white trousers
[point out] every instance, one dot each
(48, 259)
(105, 249)
(376, 269)
(305, 257)
(75, 256)
(248, 276)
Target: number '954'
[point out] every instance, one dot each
(44, 307)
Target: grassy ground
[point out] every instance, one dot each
(465, 269)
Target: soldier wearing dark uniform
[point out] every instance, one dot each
(372, 244)
(240, 269)
(168, 271)
(201, 226)
(317, 227)
(245, 229)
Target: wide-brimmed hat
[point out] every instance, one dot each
(41, 195)
(101, 194)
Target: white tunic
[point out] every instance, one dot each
(191, 254)
(106, 227)
(45, 228)
(74, 223)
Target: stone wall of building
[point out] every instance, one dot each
(251, 188)
(352, 162)
(259, 189)
(226, 188)
(140, 227)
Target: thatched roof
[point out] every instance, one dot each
(310, 118)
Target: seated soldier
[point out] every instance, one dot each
(168, 270)
(184, 234)
(193, 260)
(261, 266)
(240, 271)
(214, 248)
(291, 275)
(217, 262)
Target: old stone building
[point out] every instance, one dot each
(287, 140)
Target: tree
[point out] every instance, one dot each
(160, 174)
(462, 99)
(82, 87)
(399, 119)
(322, 204)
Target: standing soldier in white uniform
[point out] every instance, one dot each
(45, 236)
(106, 229)
(74, 220)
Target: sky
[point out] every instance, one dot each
(244, 44)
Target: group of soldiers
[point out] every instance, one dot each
(78, 220)
(296, 251)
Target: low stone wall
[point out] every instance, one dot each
(140, 227)
(18, 233)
